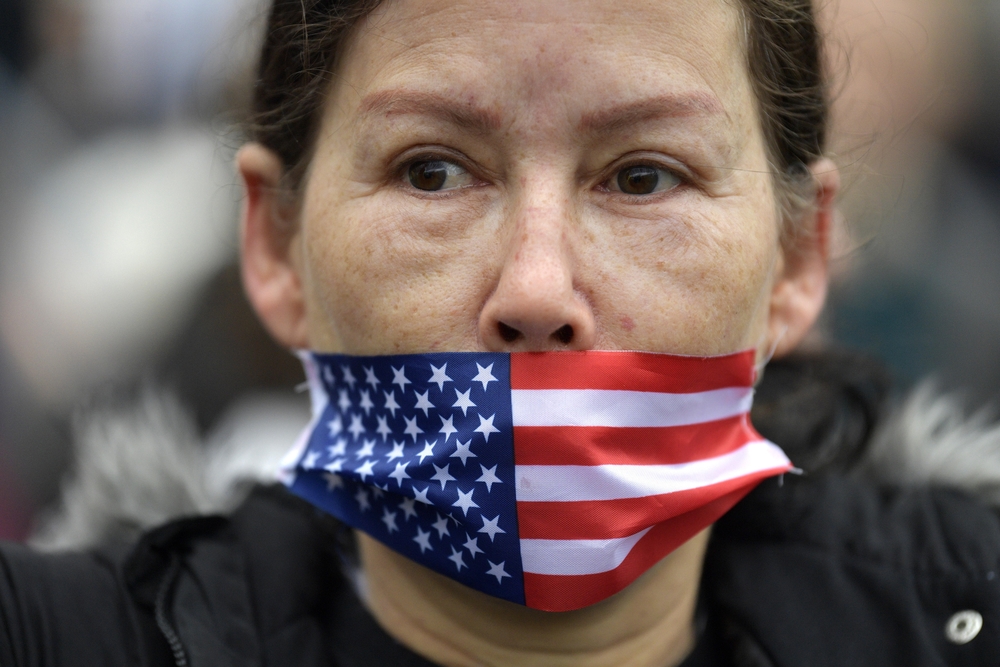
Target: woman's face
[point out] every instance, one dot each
(524, 175)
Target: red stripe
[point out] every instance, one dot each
(567, 592)
(632, 371)
(607, 519)
(607, 445)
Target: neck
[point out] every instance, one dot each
(649, 624)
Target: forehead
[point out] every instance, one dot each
(551, 61)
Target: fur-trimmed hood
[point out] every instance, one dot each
(142, 464)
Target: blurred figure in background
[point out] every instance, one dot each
(916, 128)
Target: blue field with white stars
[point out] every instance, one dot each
(418, 452)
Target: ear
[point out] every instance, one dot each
(803, 275)
(270, 277)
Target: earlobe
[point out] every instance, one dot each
(800, 287)
(270, 277)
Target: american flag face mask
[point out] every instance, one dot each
(550, 479)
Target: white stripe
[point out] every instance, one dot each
(576, 556)
(610, 482)
(603, 407)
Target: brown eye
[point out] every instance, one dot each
(435, 175)
(645, 179)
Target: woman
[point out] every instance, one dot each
(448, 176)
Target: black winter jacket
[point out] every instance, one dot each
(822, 569)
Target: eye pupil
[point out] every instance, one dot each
(430, 175)
(639, 180)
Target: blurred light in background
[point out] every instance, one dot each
(112, 246)
(106, 62)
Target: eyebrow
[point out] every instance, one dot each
(621, 116)
(404, 102)
(397, 102)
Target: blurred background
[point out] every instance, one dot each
(118, 209)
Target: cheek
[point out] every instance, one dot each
(385, 279)
(700, 287)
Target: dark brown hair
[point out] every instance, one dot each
(304, 41)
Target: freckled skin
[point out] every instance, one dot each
(390, 269)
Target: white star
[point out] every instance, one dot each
(423, 539)
(447, 427)
(365, 470)
(356, 428)
(465, 501)
(428, 450)
(328, 376)
(370, 377)
(421, 496)
(362, 497)
(485, 375)
(408, 508)
(366, 401)
(486, 427)
(490, 527)
(463, 452)
(399, 377)
(378, 491)
(412, 429)
(472, 544)
(396, 453)
(345, 401)
(442, 475)
(335, 425)
(368, 449)
(399, 474)
(383, 428)
(335, 466)
(423, 403)
(456, 558)
(333, 481)
(438, 375)
(310, 460)
(338, 448)
(390, 402)
(489, 477)
(463, 401)
(441, 526)
(497, 570)
(389, 519)
(348, 375)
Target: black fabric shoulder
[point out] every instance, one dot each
(294, 574)
(249, 589)
(829, 570)
(63, 610)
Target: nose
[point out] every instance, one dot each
(536, 305)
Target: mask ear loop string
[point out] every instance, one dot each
(758, 370)
(759, 366)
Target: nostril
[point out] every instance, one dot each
(564, 334)
(508, 333)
